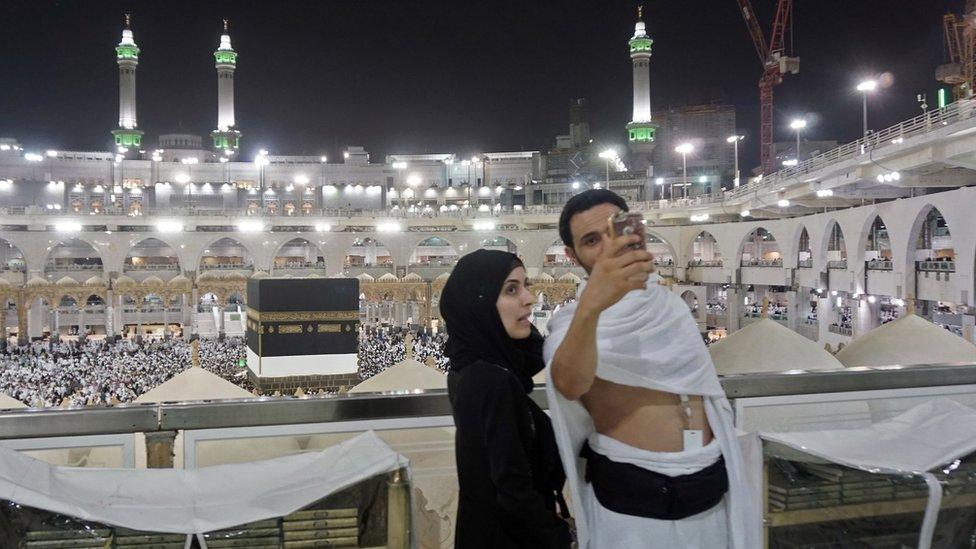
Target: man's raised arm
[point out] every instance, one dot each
(612, 277)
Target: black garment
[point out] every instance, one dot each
(631, 490)
(508, 467)
(474, 329)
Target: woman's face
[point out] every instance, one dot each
(515, 305)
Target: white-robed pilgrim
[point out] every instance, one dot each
(649, 340)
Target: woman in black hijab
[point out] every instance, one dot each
(508, 466)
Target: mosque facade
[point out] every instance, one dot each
(142, 240)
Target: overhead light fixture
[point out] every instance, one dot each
(250, 226)
(169, 226)
(388, 227)
(323, 227)
(484, 226)
(67, 227)
(745, 213)
(824, 193)
(783, 203)
(33, 157)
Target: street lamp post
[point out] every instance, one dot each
(607, 155)
(798, 124)
(866, 87)
(684, 149)
(734, 139)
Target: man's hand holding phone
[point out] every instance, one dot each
(616, 272)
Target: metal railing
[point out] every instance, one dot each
(52, 267)
(840, 330)
(762, 263)
(936, 266)
(891, 136)
(837, 264)
(225, 267)
(268, 411)
(151, 267)
(705, 263)
(879, 265)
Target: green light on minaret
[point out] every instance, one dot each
(641, 134)
(223, 56)
(640, 44)
(127, 52)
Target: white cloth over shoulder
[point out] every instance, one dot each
(193, 501)
(648, 339)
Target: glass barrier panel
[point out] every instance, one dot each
(813, 503)
(355, 517)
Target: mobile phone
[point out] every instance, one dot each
(622, 223)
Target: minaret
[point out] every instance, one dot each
(640, 130)
(127, 55)
(226, 139)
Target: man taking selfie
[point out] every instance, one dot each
(644, 429)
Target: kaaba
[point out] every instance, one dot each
(302, 332)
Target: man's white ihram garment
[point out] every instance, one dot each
(648, 339)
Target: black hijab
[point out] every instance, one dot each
(474, 328)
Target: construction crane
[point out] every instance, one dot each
(960, 41)
(775, 64)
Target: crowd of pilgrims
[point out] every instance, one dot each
(104, 372)
(383, 346)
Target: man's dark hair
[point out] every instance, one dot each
(582, 202)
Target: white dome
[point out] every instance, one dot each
(908, 340)
(234, 275)
(767, 346)
(8, 402)
(388, 277)
(259, 274)
(180, 280)
(412, 277)
(152, 279)
(406, 375)
(194, 384)
(570, 277)
(365, 277)
(37, 281)
(66, 281)
(208, 275)
(545, 277)
(443, 276)
(124, 281)
(95, 281)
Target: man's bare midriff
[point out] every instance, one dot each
(644, 418)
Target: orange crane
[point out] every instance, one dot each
(775, 64)
(960, 40)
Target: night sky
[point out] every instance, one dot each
(455, 76)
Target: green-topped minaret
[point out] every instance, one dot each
(226, 138)
(640, 130)
(127, 136)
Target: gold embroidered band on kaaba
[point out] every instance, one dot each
(301, 316)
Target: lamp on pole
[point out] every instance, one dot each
(608, 155)
(734, 139)
(399, 167)
(798, 124)
(865, 88)
(684, 148)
